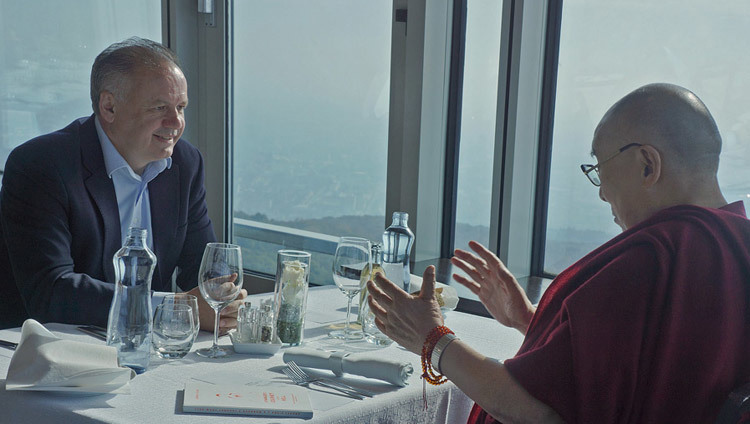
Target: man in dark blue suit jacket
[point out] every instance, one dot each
(59, 206)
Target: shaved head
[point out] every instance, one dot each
(657, 147)
(672, 119)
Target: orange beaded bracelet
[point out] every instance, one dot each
(428, 374)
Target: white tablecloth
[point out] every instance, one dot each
(156, 395)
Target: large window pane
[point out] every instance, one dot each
(46, 55)
(607, 49)
(310, 113)
(479, 106)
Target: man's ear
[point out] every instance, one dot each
(107, 106)
(651, 165)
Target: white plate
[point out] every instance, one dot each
(255, 348)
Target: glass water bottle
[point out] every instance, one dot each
(130, 316)
(397, 243)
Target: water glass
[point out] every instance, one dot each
(190, 300)
(173, 331)
(372, 332)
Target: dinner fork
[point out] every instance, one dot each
(298, 371)
(304, 382)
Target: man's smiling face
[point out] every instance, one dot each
(145, 122)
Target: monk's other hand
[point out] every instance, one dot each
(405, 318)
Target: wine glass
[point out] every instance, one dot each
(351, 257)
(220, 282)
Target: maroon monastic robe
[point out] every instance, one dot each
(652, 327)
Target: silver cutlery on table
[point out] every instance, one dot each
(293, 367)
(8, 345)
(92, 330)
(300, 381)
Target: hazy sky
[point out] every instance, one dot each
(478, 114)
(608, 49)
(46, 55)
(311, 89)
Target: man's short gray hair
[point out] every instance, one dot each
(117, 62)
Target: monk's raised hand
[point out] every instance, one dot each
(496, 287)
(403, 317)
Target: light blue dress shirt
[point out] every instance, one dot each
(131, 189)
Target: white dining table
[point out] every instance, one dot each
(156, 395)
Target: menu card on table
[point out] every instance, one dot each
(269, 401)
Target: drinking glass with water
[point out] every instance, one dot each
(189, 300)
(174, 330)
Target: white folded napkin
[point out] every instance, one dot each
(448, 293)
(365, 365)
(43, 361)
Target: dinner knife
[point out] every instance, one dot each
(8, 345)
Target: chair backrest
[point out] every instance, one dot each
(736, 409)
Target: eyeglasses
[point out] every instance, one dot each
(592, 171)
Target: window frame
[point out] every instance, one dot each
(424, 109)
(453, 132)
(546, 131)
(519, 103)
(203, 51)
(520, 117)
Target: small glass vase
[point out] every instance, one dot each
(290, 295)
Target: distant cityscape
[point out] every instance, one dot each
(569, 244)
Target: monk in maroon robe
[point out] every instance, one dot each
(653, 326)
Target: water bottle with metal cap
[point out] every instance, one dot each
(397, 243)
(130, 316)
